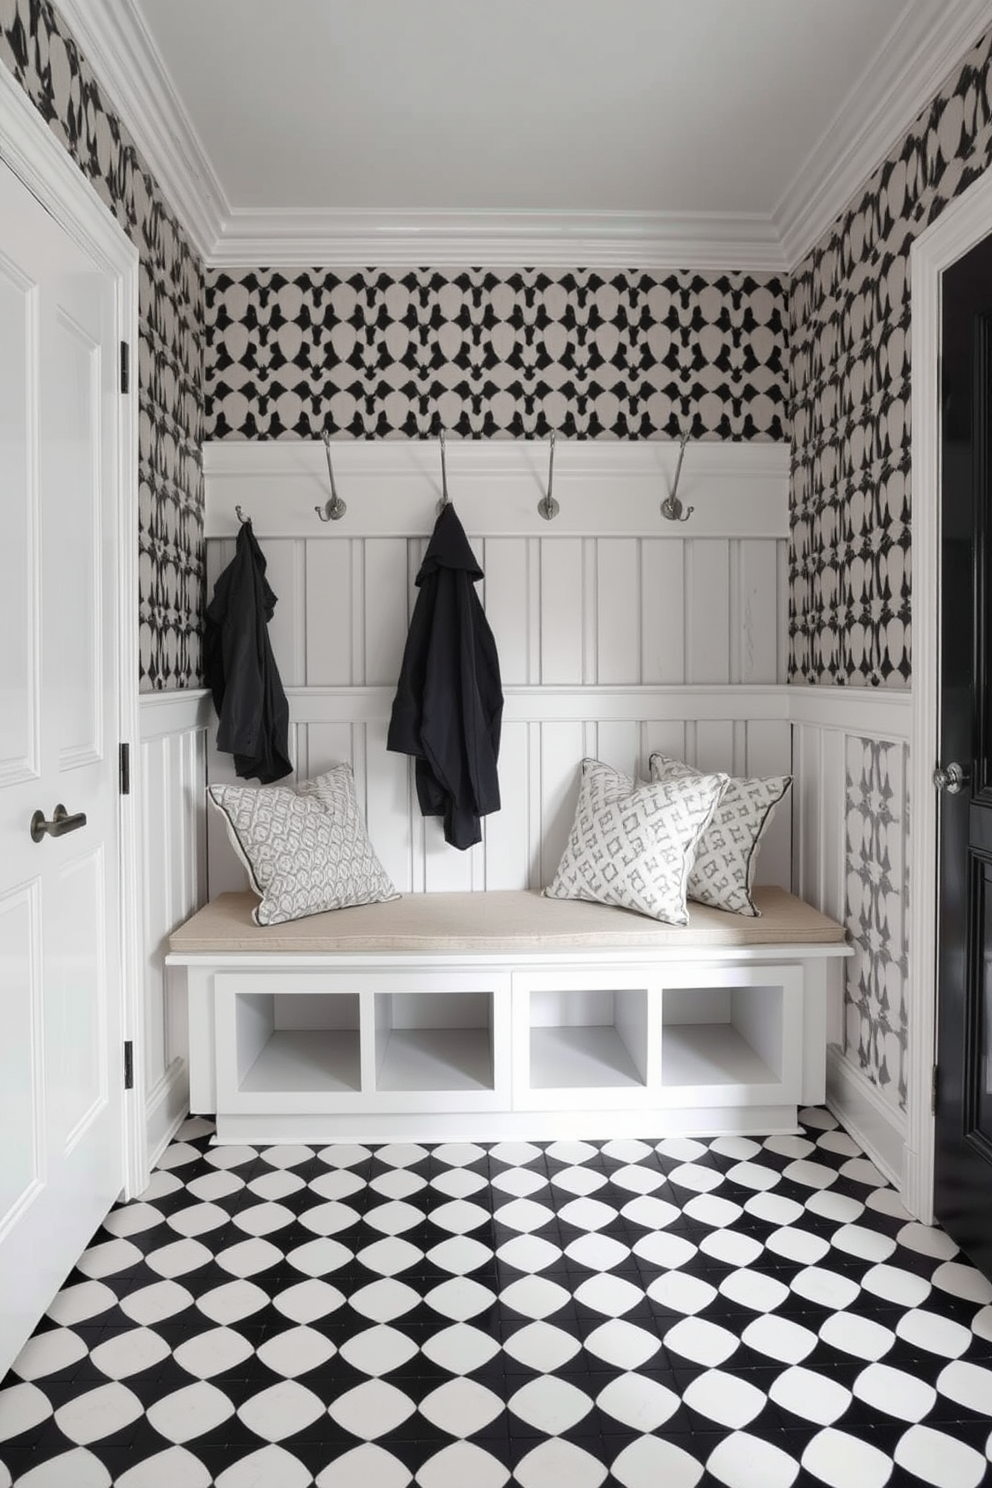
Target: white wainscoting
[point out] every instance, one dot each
(839, 734)
(171, 777)
(546, 733)
(618, 632)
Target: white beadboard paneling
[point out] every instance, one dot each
(385, 597)
(508, 604)
(445, 868)
(508, 831)
(708, 616)
(662, 590)
(171, 778)
(562, 747)
(618, 611)
(756, 637)
(713, 748)
(389, 805)
(617, 744)
(330, 614)
(562, 610)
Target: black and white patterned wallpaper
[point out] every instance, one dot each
(494, 354)
(849, 609)
(877, 912)
(37, 48)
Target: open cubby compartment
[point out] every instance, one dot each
(731, 1035)
(581, 1033)
(441, 1040)
(286, 1036)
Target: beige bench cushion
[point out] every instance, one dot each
(500, 922)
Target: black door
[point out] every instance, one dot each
(963, 1159)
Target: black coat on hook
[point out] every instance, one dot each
(448, 707)
(239, 667)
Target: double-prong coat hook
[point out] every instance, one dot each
(445, 498)
(334, 509)
(241, 516)
(671, 507)
(548, 506)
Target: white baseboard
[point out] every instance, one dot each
(878, 1129)
(166, 1109)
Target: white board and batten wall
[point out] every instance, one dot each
(618, 632)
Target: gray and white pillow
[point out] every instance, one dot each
(632, 842)
(727, 853)
(305, 846)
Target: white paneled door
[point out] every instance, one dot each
(61, 1096)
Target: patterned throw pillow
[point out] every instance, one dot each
(632, 843)
(305, 847)
(727, 854)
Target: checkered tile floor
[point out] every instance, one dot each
(650, 1314)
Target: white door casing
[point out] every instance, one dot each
(68, 685)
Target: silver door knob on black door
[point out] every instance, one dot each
(60, 823)
(950, 778)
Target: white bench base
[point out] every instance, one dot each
(643, 1031)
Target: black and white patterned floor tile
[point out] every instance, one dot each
(647, 1314)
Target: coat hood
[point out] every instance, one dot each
(449, 548)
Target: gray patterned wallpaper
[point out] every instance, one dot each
(877, 850)
(494, 354)
(38, 49)
(849, 601)
(850, 396)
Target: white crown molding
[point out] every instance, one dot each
(117, 45)
(905, 74)
(659, 240)
(909, 68)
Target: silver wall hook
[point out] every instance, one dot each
(333, 510)
(241, 516)
(548, 506)
(445, 499)
(671, 507)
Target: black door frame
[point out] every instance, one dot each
(963, 223)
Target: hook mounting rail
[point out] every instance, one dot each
(333, 510)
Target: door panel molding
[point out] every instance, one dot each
(963, 223)
(33, 153)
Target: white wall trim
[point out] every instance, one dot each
(877, 1127)
(390, 239)
(391, 488)
(869, 712)
(905, 74)
(32, 151)
(963, 223)
(119, 48)
(166, 1108)
(907, 71)
(173, 712)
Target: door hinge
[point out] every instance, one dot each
(125, 769)
(933, 1091)
(128, 1064)
(125, 367)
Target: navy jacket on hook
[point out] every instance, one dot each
(449, 700)
(240, 669)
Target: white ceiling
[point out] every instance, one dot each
(645, 131)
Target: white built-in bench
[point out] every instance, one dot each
(497, 1014)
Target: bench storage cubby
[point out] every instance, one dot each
(489, 1015)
